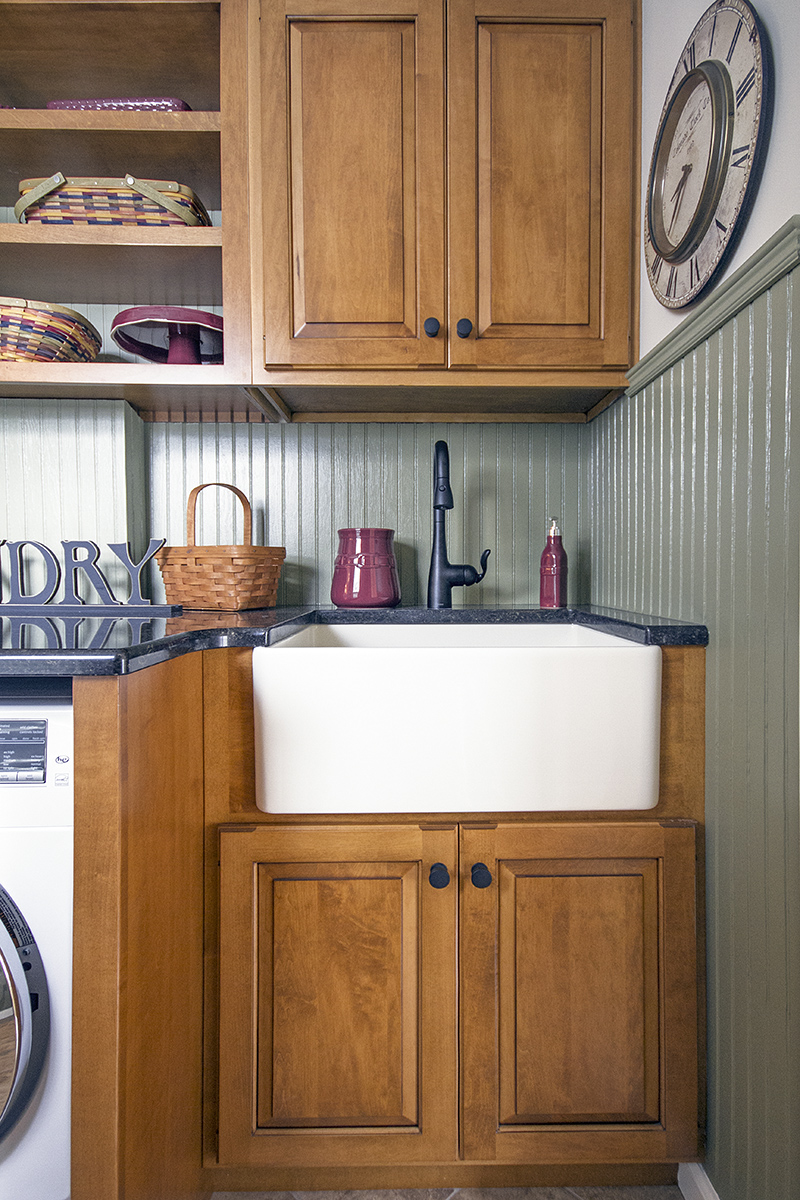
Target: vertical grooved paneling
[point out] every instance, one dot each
(306, 481)
(690, 502)
(65, 468)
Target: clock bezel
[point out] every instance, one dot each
(701, 275)
(721, 93)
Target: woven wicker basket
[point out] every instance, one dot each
(59, 200)
(228, 578)
(32, 331)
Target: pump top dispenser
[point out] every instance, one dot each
(553, 570)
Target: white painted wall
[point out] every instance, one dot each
(665, 30)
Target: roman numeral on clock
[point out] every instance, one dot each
(689, 61)
(734, 40)
(694, 272)
(745, 86)
(672, 283)
(745, 153)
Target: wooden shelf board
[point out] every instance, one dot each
(111, 120)
(102, 374)
(182, 398)
(63, 236)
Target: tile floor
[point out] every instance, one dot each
(671, 1192)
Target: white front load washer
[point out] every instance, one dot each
(36, 840)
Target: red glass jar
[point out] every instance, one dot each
(365, 570)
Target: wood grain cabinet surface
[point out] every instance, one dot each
(420, 207)
(540, 1007)
(461, 164)
(264, 1004)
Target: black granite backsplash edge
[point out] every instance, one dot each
(647, 630)
(167, 639)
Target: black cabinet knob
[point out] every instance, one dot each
(431, 326)
(464, 328)
(439, 876)
(481, 875)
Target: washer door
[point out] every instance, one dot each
(24, 1013)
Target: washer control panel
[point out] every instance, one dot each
(23, 751)
(36, 749)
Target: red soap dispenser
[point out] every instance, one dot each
(553, 571)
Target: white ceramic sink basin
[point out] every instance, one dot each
(456, 718)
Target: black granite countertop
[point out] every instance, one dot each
(35, 643)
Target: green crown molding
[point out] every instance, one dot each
(779, 255)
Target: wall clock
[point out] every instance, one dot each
(708, 152)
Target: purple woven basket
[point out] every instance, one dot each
(128, 103)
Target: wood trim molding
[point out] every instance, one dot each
(779, 255)
(694, 1183)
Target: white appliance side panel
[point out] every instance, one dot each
(36, 871)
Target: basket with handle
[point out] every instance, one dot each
(87, 200)
(228, 578)
(33, 331)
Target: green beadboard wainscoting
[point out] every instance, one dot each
(307, 481)
(691, 494)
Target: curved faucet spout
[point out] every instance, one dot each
(442, 495)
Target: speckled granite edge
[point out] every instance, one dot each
(648, 630)
(120, 647)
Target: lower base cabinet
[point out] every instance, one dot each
(438, 993)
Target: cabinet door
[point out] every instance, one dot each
(350, 248)
(582, 1044)
(540, 106)
(337, 996)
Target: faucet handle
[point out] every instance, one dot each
(471, 574)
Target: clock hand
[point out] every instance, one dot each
(677, 195)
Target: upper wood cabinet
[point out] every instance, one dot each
(461, 165)
(352, 183)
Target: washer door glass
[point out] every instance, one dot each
(10, 1027)
(24, 1013)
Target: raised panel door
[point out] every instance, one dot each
(578, 993)
(352, 160)
(540, 125)
(579, 986)
(337, 996)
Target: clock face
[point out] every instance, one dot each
(708, 151)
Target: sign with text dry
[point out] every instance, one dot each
(79, 560)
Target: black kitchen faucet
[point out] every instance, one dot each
(444, 576)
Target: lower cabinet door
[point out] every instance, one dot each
(579, 1022)
(337, 995)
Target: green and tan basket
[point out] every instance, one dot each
(33, 331)
(228, 578)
